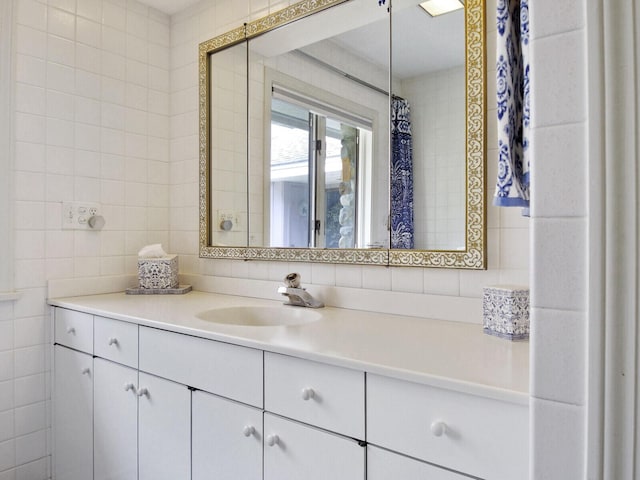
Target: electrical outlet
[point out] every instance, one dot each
(76, 215)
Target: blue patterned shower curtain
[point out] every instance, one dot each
(513, 73)
(401, 175)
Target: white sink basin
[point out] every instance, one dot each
(260, 316)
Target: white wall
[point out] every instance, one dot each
(438, 116)
(559, 262)
(91, 123)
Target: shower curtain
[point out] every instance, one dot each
(401, 175)
(513, 73)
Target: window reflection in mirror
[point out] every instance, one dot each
(319, 140)
(318, 160)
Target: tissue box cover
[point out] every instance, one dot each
(158, 272)
(506, 311)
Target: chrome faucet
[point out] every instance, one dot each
(297, 295)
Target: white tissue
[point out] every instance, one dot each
(152, 251)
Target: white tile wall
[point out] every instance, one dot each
(91, 123)
(557, 446)
(57, 153)
(559, 251)
(439, 187)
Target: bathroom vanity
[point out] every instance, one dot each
(172, 387)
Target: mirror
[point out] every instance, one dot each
(310, 174)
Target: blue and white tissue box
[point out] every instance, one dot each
(158, 273)
(505, 311)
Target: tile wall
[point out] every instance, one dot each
(91, 124)
(438, 113)
(559, 262)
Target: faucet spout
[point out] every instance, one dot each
(299, 297)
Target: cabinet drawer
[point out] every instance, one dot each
(475, 435)
(116, 341)
(385, 465)
(293, 451)
(227, 370)
(74, 329)
(322, 395)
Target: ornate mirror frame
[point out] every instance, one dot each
(473, 257)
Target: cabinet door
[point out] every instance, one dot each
(73, 415)
(164, 429)
(227, 439)
(293, 451)
(385, 465)
(115, 424)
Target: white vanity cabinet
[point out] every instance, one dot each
(116, 341)
(227, 370)
(73, 329)
(474, 435)
(137, 402)
(73, 414)
(73, 396)
(318, 395)
(294, 451)
(115, 420)
(164, 429)
(226, 439)
(168, 408)
(322, 395)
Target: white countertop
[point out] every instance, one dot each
(453, 355)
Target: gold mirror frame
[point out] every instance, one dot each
(473, 257)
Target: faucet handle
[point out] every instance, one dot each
(292, 280)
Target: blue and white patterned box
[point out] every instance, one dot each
(158, 273)
(506, 311)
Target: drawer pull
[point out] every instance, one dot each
(143, 392)
(71, 331)
(308, 393)
(129, 386)
(248, 430)
(113, 341)
(438, 428)
(273, 440)
(86, 371)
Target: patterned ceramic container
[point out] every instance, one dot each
(158, 272)
(506, 311)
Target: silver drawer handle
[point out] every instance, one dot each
(113, 341)
(248, 430)
(71, 331)
(129, 386)
(273, 440)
